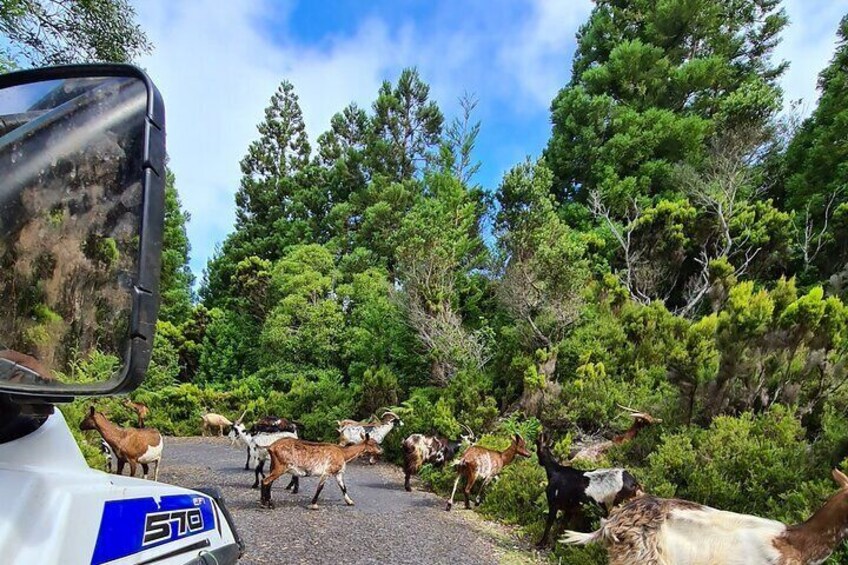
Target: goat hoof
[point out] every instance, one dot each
(408, 489)
(448, 507)
(313, 507)
(255, 486)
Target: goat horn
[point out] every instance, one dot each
(467, 429)
(627, 409)
(390, 412)
(241, 418)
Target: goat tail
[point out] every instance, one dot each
(570, 537)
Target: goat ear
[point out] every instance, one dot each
(91, 410)
(840, 478)
(367, 437)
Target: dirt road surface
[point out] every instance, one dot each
(387, 524)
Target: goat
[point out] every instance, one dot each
(109, 457)
(419, 449)
(594, 450)
(658, 531)
(270, 424)
(481, 463)
(352, 431)
(568, 487)
(266, 424)
(130, 445)
(212, 420)
(140, 409)
(303, 458)
(257, 446)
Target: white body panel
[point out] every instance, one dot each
(53, 503)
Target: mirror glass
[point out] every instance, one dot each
(71, 187)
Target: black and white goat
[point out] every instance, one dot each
(568, 487)
(257, 447)
(266, 424)
(419, 449)
(110, 460)
(351, 432)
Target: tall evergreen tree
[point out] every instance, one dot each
(405, 129)
(651, 83)
(176, 279)
(817, 167)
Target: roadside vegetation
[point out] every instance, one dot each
(681, 247)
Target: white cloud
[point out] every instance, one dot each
(808, 44)
(539, 58)
(216, 71)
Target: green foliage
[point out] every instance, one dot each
(41, 32)
(651, 83)
(176, 278)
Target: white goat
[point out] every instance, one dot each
(351, 432)
(659, 531)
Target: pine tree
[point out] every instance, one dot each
(817, 167)
(176, 279)
(405, 129)
(651, 83)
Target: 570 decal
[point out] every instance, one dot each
(160, 526)
(130, 526)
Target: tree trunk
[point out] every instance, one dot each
(533, 400)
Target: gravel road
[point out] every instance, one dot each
(387, 524)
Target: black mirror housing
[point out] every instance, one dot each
(146, 242)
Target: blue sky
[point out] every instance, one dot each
(217, 64)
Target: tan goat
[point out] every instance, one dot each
(130, 445)
(485, 464)
(593, 451)
(212, 420)
(303, 459)
(141, 410)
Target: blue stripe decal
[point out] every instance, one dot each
(137, 524)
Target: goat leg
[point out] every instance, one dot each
(121, 463)
(247, 463)
(469, 484)
(479, 498)
(341, 483)
(260, 470)
(144, 469)
(552, 513)
(265, 493)
(453, 493)
(314, 505)
(294, 483)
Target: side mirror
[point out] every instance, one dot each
(82, 155)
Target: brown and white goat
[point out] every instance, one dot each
(485, 464)
(304, 459)
(130, 445)
(212, 420)
(419, 449)
(658, 531)
(593, 451)
(141, 410)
